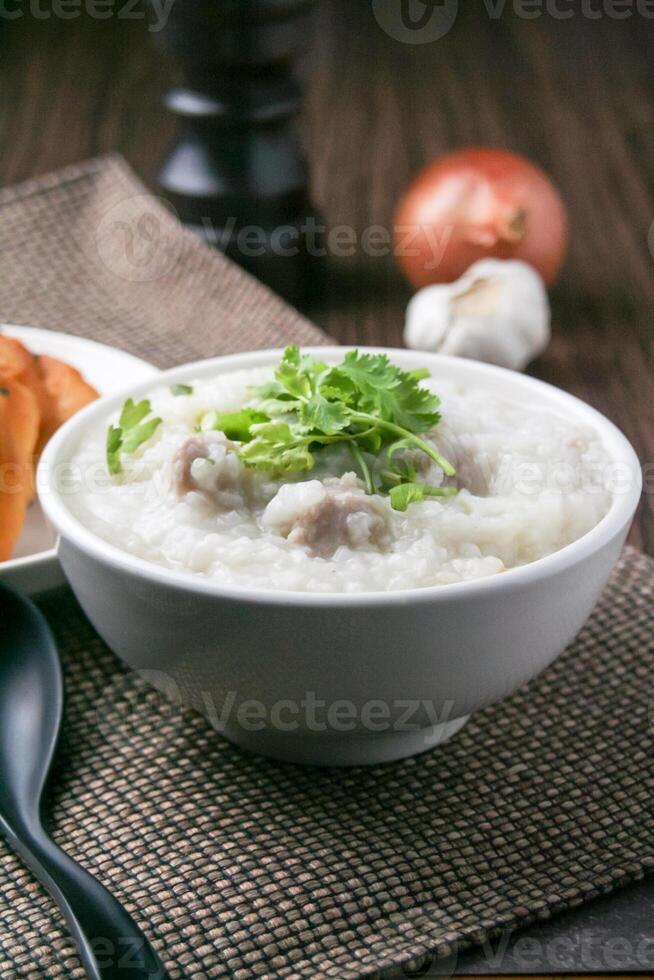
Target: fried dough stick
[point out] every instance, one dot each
(60, 389)
(37, 394)
(64, 392)
(19, 430)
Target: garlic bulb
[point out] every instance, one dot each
(497, 311)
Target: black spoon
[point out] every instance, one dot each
(110, 944)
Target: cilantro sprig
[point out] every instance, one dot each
(366, 403)
(180, 389)
(133, 429)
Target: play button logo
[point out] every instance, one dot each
(416, 21)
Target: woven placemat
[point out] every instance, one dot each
(89, 251)
(241, 867)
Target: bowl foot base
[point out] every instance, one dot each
(314, 749)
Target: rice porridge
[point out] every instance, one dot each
(337, 482)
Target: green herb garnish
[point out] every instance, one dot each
(366, 402)
(133, 429)
(114, 442)
(180, 389)
(235, 425)
(408, 493)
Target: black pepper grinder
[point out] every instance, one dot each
(235, 173)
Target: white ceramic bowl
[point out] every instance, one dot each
(341, 679)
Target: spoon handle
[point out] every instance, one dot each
(110, 944)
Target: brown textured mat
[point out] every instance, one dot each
(239, 867)
(90, 252)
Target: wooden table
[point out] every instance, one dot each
(574, 94)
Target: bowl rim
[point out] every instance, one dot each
(610, 526)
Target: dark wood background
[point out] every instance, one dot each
(573, 94)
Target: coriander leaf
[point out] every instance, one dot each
(114, 443)
(405, 403)
(132, 414)
(180, 389)
(409, 493)
(338, 387)
(366, 402)
(235, 425)
(139, 434)
(130, 432)
(328, 417)
(387, 391)
(274, 431)
(278, 406)
(312, 368)
(405, 494)
(415, 408)
(273, 389)
(367, 371)
(276, 449)
(335, 394)
(290, 377)
(362, 378)
(290, 358)
(298, 373)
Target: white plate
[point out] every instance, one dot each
(33, 566)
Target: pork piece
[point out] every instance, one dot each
(472, 472)
(325, 516)
(206, 463)
(195, 447)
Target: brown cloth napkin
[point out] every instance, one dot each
(89, 251)
(241, 867)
